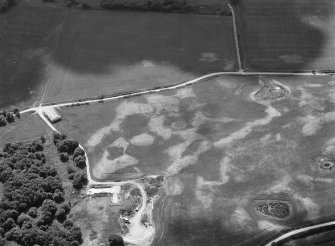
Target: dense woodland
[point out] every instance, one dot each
(33, 210)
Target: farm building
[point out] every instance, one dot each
(52, 114)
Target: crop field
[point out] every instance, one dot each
(118, 51)
(284, 35)
(223, 151)
(27, 34)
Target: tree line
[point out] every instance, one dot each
(69, 149)
(8, 117)
(153, 5)
(33, 199)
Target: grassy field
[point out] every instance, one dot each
(283, 35)
(29, 127)
(27, 35)
(135, 51)
(98, 219)
(221, 151)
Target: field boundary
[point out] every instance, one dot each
(237, 44)
(121, 95)
(51, 59)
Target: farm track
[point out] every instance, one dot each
(51, 59)
(237, 45)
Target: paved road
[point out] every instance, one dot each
(297, 231)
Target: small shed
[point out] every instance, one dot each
(52, 114)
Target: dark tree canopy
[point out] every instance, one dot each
(79, 180)
(115, 240)
(2, 121)
(64, 157)
(67, 145)
(10, 118)
(28, 207)
(78, 152)
(80, 161)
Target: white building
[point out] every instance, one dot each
(52, 114)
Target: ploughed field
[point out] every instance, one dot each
(244, 157)
(287, 35)
(118, 51)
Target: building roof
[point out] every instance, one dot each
(52, 114)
